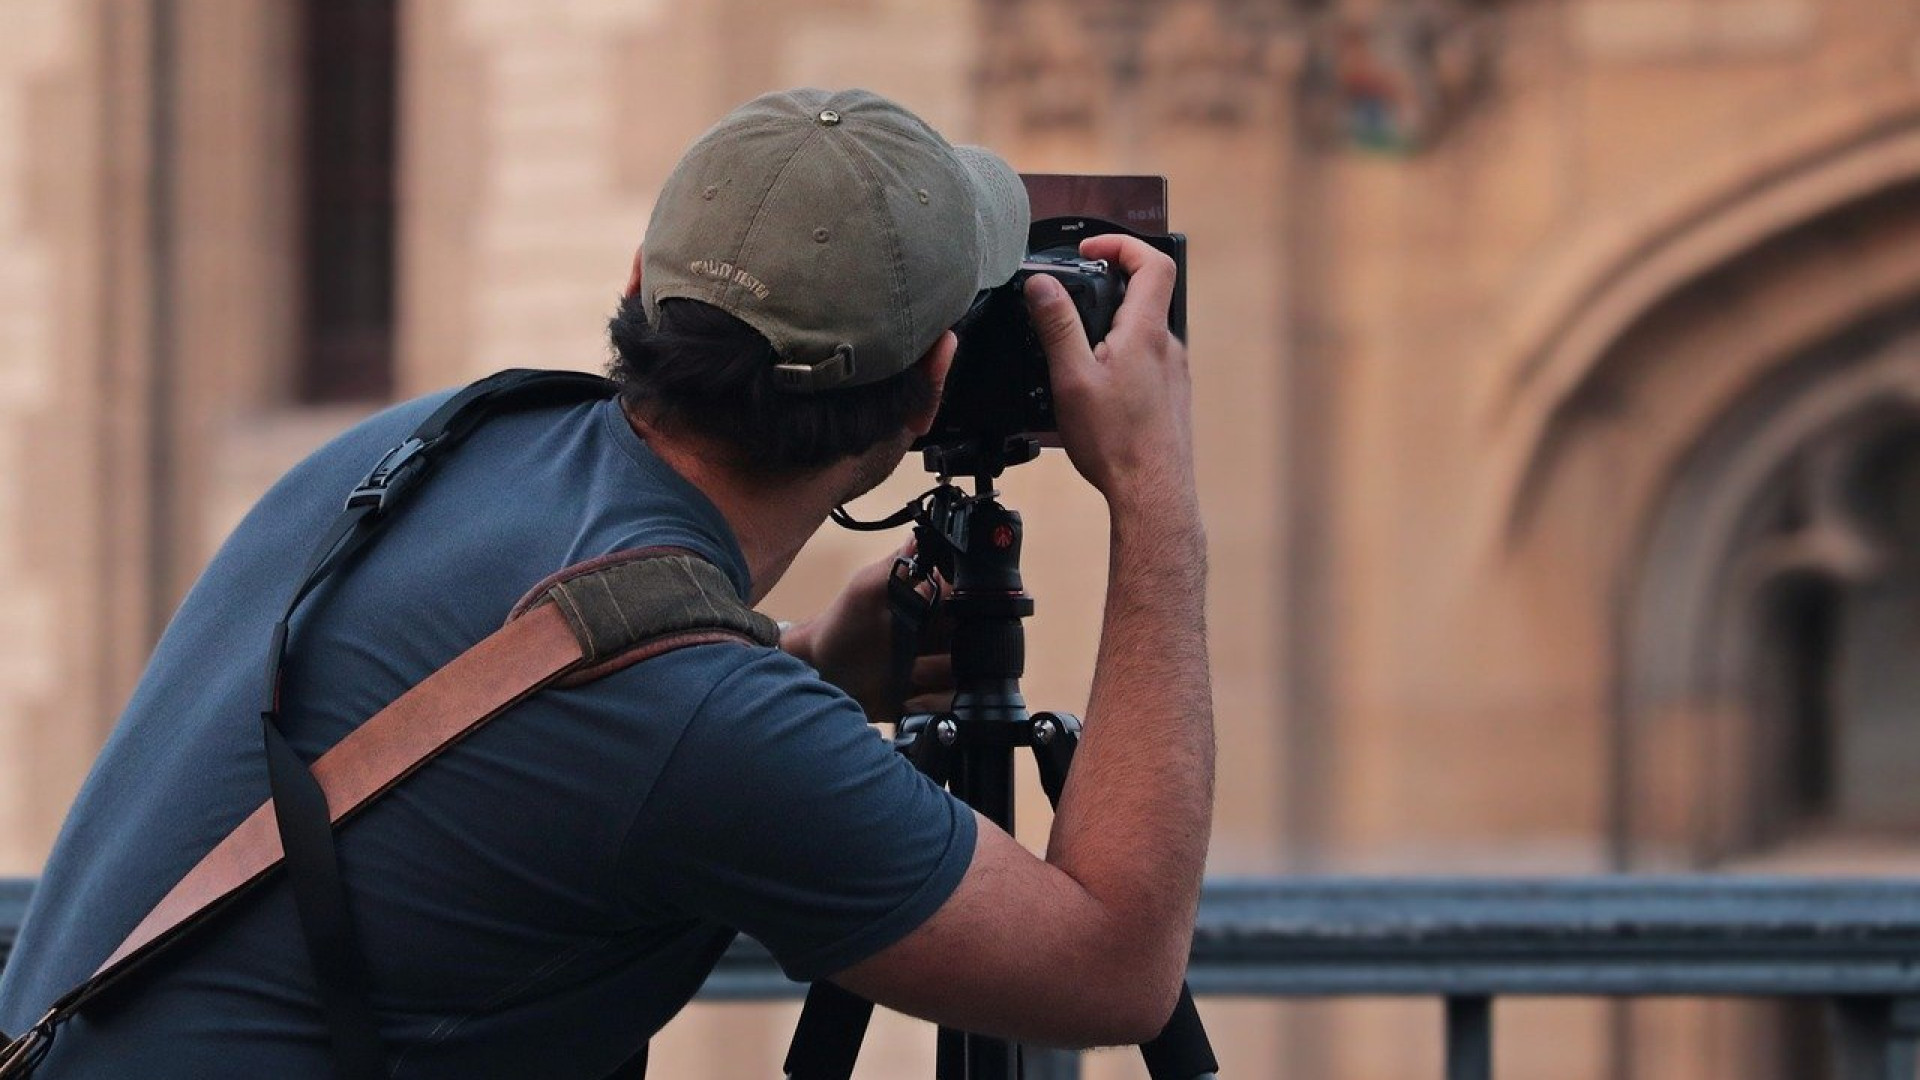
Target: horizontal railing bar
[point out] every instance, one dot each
(1590, 937)
(1700, 936)
(1606, 936)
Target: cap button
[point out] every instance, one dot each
(829, 118)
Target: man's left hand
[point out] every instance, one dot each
(851, 646)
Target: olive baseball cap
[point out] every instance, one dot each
(840, 226)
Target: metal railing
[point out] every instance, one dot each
(1467, 942)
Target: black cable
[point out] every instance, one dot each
(913, 511)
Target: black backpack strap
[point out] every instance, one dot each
(313, 865)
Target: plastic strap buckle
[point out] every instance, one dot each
(19, 1057)
(389, 479)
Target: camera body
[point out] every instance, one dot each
(999, 387)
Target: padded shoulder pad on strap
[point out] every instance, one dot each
(633, 605)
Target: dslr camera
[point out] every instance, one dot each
(999, 389)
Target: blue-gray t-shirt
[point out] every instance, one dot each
(545, 896)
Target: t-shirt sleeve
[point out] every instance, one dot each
(782, 814)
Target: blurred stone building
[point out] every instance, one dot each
(1557, 365)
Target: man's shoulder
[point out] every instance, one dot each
(725, 678)
(738, 703)
(745, 674)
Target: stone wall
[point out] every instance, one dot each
(1469, 283)
(48, 726)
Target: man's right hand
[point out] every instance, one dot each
(1125, 406)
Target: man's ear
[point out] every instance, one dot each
(933, 367)
(633, 276)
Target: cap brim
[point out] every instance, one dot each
(1000, 202)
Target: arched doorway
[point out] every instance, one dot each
(1735, 470)
(1774, 633)
(1776, 612)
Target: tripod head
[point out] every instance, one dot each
(984, 459)
(973, 542)
(946, 523)
(970, 540)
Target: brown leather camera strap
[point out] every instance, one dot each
(482, 683)
(514, 662)
(588, 620)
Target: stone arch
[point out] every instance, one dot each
(1633, 433)
(1603, 281)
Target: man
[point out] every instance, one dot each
(551, 891)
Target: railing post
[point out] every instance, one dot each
(1470, 1038)
(1875, 1038)
(1047, 1063)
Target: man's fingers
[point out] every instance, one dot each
(931, 675)
(1135, 256)
(1150, 278)
(1057, 324)
(927, 703)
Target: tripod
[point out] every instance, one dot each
(974, 543)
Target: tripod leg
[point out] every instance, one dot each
(991, 1059)
(826, 1041)
(1181, 1051)
(950, 1055)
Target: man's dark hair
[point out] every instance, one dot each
(703, 372)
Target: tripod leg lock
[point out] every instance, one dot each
(921, 739)
(1049, 726)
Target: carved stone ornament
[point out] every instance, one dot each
(1393, 80)
(1040, 65)
(1065, 64)
(1206, 66)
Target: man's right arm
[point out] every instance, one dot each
(1088, 946)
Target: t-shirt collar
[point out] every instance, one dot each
(703, 513)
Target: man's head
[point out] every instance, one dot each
(803, 264)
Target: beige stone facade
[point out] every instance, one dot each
(1545, 352)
